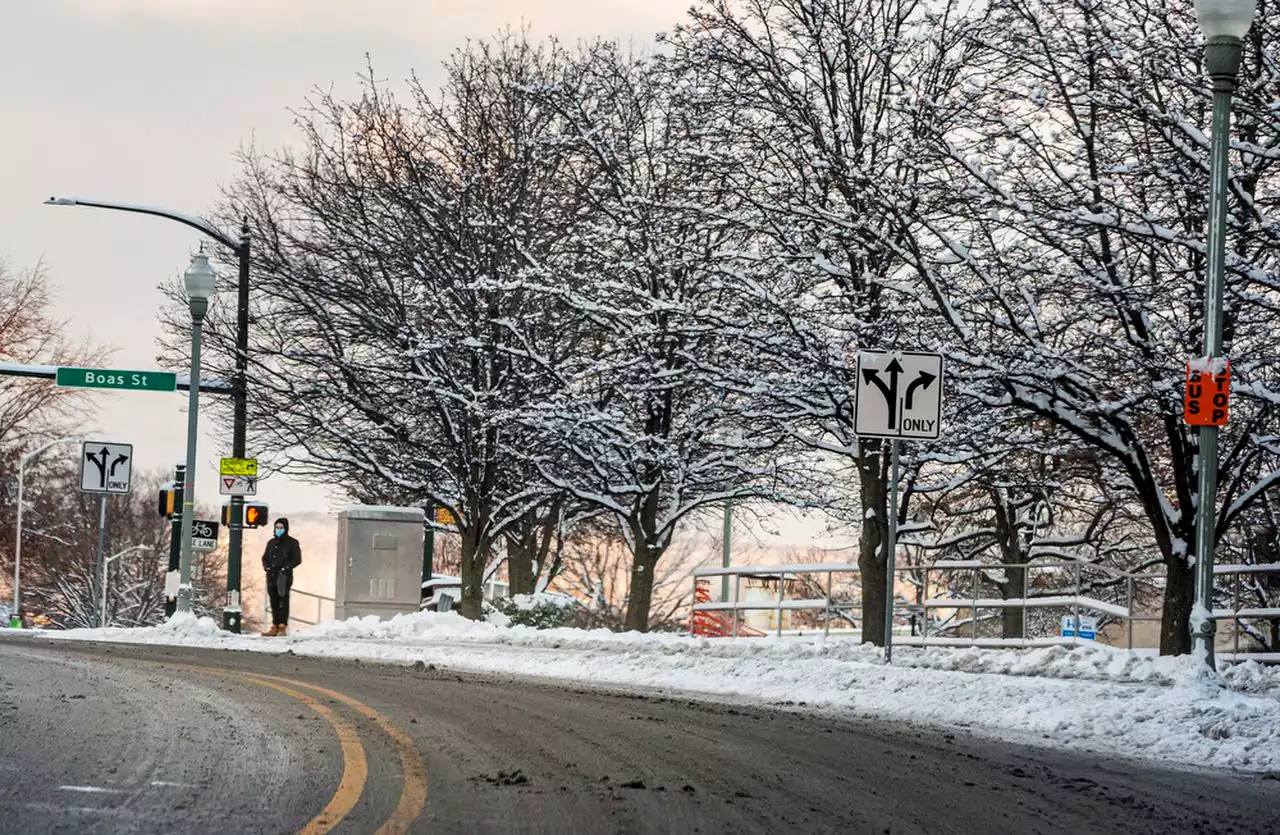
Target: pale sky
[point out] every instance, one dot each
(145, 101)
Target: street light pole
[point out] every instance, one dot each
(1224, 23)
(231, 611)
(199, 282)
(17, 536)
(102, 617)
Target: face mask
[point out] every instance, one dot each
(279, 531)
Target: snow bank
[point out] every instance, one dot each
(1092, 698)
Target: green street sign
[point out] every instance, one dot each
(105, 378)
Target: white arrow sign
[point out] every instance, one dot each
(899, 394)
(106, 467)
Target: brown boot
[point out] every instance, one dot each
(272, 632)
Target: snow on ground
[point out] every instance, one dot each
(1091, 698)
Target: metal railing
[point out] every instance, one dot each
(1067, 591)
(1239, 615)
(320, 600)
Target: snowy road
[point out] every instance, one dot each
(100, 738)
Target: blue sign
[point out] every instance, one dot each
(1079, 626)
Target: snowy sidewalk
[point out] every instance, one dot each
(1089, 698)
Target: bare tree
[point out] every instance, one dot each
(1070, 271)
(396, 338)
(820, 109)
(651, 423)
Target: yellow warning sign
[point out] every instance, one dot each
(239, 466)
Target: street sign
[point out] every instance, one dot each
(444, 516)
(239, 466)
(237, 485)
(106, 378)
(204, 536)
(1079, 626)
(106, 467)
(238, 477)
(1208, 393)
(899, 394)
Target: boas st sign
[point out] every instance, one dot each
(1208, 392)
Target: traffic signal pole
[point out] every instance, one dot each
(231, 612)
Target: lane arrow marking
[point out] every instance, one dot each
(889, 392)
(921, 382)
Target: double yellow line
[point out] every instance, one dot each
(355, 766)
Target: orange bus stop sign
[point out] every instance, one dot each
(1208, 392)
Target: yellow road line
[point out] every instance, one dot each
(413, 797)
(355, 768)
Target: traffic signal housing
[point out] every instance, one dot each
(255, 515)
(168, 501)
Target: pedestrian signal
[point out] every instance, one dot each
(255, 515)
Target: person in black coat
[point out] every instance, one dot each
(281, 557)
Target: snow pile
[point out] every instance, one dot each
(1091, 698)
(1091, 662)
(179, 630)
(435, 626)
(529, 602)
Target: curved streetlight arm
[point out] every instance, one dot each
(27, 456)
(189, 220)
(128, 550)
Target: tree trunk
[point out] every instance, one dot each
(1015, 583)
(472, 603)
(640, 597)
(872, 553)
(521, 549)
(1015, 587)
(1179, 595)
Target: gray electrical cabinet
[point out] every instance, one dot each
(379, 561)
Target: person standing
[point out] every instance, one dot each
(281, 557)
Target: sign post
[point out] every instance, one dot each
(899, 395)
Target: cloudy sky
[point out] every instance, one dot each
(145, 101)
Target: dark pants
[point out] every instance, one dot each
(278, 585)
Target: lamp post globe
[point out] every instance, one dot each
(199, 280)
(1225, 18)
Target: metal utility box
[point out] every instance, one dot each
(379, 565)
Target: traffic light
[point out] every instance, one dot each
(255, 515)
(168, 501)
